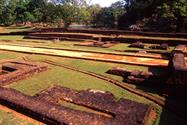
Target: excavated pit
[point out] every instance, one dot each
(12, 71)
(5, 70)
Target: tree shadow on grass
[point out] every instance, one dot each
(175, 99)
(174, 111)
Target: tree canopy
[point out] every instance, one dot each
(21, 11)
(164, 15)
(158, 15)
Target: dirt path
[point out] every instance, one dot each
(1, 52)
(89, 56)
(21, 116)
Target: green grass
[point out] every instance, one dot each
(16, 29)
(11, 37)
(93, 66)
(70, 45)
(70, 79)
(10, 55)
(77, 107)
(7, 118)
(74, 80)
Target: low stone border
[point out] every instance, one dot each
(13, 71)
(123, 111)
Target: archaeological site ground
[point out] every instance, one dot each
(92, 77)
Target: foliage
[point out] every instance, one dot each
(108, 16)
(162, 15)
(172, 15)
(159, 15)
(22, 11)
(94, 10)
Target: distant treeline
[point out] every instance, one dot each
(155, 15)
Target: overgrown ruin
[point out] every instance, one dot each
(45, 106)
(137, 76)
(162, 46)
(51, 103)
(178, 66)
(12, 71)
(137, 44)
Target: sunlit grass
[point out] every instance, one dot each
(7, 118)
(11, 37)
(16, 29)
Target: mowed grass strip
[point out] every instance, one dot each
(11, 37)
(7, 118)
(10, 55)
(70, 45)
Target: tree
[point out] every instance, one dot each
(163, 15)
(94, 11)
(108, 16)
(117, 11)
(2, 5)
(105, 18)
(70, 11)
(20, 11)
(172, 14)
(28, 17)
(84, 16)
(49, 14)
(37, 8)
(8, 13)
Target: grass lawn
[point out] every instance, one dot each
(11, 37)
(70, 79)
(16, 29)
(70, 45)
(7, 118)
(10, 55)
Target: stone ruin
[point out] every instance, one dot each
(47, 107)
(137, 44)
(178, 66)
(106, 44)
(135, 76)
(162, 46)
(134, 27)
(173, 79)
(140, 45)
(12, 71)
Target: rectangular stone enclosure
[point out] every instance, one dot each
(12, 71)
